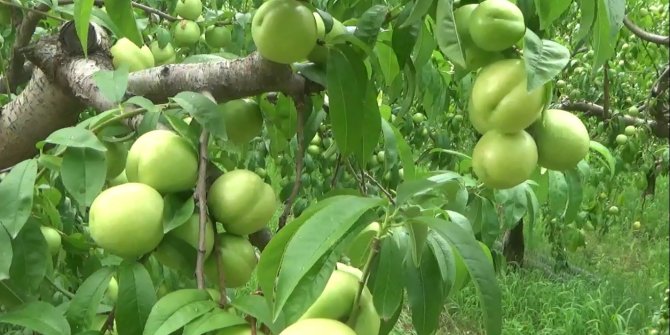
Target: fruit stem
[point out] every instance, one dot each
(367, 268)
(122, 116)
(201, 190)
(219, 270)
(299, 159)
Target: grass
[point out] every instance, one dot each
(623, 276)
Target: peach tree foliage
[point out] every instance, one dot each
(342, 143)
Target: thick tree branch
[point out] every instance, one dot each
(595, 110)
(23, 35)
(62, 73)
(645, 35)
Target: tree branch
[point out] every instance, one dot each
(201, 191)
(52, 98)
(645, 35)
(299, 159)
(23, 36)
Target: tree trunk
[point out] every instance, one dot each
(513, 245)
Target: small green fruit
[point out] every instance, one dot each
(189, 9)
(238, 261)
(52, 236)
(186, 33)
(278, 41)
(218, 37)
(630, 130)
(162, 56)
(496, 25)
(613, 210)
(127, 220)
(163, 160)
(242, 202)
(621, 139)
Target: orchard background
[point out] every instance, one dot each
(331, 147)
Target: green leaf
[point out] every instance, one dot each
(136, 298)
(385, 285)
(82, 17)
(318, 234)
(178, 209)
(39, 317)
(112, 84)
(445, 260)
(84, 305)
(257, 307)
(606, 155)
(74, 137)
(122, 14)
(446, 34)
(211, 321)
(29, 264)
(609, 20)
(16, 192)
(479, 267)
(558, 192)
(514, 203)
(388, 62)
(403, 40)
(549, 11)
(533, 212)
(368, 25)
(425, 292)
(575, 194)
(170, 305)
(180, 318)
(423, 49)
(354, 112)
(544, 59)
(83, 173)
(587, 18)
(419, 10)
(205, 111)
(6, 253)
(411, 188)
(406, 157)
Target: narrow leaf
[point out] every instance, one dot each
(446, 34)
(425, 292)
(85, 303)
(30, 257)
(136, 298)
(39, 317)
(204, 110)
(83, 173)
(544, 59)
(6, 253)
(82, 17)
(16, 192)
(75, 137)
(386, 287)
(171, 304)
(121, 13)
(479, 267)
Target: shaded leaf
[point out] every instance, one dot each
(38, 316)
(16, 192)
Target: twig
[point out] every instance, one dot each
(201, 190)
(606, 90)
(154, 11)
(381, 187)
(223, 301)
(645, 35)
(23, 35)
(65, 292)
(336, 173)
(366, 273)
(356, 176)
(38, 11)
(299, 160)
(109, 323)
